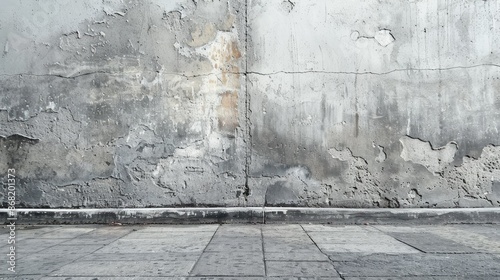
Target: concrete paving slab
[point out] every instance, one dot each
(431, 243)
(28, 246)
(186, 278)
(421, 265)
(4, 236)
(339, 228)
(251, 234)
(350, 237)
(110, 231)
(295, 268)
(90, 241)
(302, 240)
(140, 249)
(142, 246)
(490, 231)
(282, 227)
(165, 236)
(296, 256)
(423, 278)
(270, 247)
(170, 256)
(111, 278)
(125, 268)
(24, 277)
(181, 228)
(474, 240)
(100, 236)
(178, 240)
(477, 236)
(25, 232)
(66, 232)
(41, 263)
(401, 228)
(240, 230)
(230, 244)
(163, 277)
(347, 257)
(292, 246)
(230, 264)
(286, 234)
(238, 239)
(63, 250)
(388, 248)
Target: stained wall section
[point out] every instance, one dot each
(375, 103)
(124, 103)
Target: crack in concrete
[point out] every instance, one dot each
(266, 73)
(373, 73)
(21, 137)
(57, 75)
(248, 132)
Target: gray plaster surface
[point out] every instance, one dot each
(250, 103)
(286, 257)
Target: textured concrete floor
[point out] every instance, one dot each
(254, 252)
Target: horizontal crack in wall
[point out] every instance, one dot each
(266, 73)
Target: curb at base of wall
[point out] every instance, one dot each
(254, 215)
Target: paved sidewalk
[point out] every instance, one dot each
(254, 252)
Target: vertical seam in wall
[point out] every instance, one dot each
(248, 134)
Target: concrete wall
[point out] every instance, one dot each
(248, 103)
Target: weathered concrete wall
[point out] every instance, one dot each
(248, 103)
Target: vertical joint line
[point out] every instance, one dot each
(263, 250)
(248, 135)
(204, 250)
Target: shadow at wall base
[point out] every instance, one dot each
(256, 215)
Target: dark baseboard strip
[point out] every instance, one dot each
(253, 215)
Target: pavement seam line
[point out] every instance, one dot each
(202, 252)
(407, 244)
(48, 274)
(20, 241)
(263, 251)
(315, 244)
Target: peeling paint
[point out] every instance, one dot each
(420, 152)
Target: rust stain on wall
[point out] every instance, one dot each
(227, 112)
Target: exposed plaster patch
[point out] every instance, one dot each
(6, 47)
(183, 50)
(384, 37)
(227, 112)
(421, 152)
(287, 5)
(381, 154)
(202, 35)
(173, 20)
(110, 12)
(77, 32)
(475, 179)
(345, 155)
